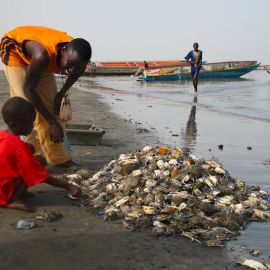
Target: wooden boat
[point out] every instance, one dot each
(268, 71)
(127, 67)
(234, 69)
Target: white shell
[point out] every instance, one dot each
(74, 176)
(182, 206)
(149, 159)
(166, 165)
(149, 210)
(185, 179)
(158, 224)
(110, 188)
(226, 200)
(150, 183)
(263, 192)
(254, 264)
(147, 190)
(123, 156)
(219, 170)
(147, 149)
(95, 177)
(157, 173)
(181, 195)
(137, 173)
(239, 208)
(160, 164)
(211, 181)
(173, 162)
(122, 201)
(166, 173)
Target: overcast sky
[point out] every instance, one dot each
(153, 29)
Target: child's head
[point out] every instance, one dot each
(19, 114)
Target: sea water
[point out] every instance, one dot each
(234, 113)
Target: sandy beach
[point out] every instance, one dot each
(81, 239)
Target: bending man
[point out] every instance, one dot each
(31, 55)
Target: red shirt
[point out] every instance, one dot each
(17, 161)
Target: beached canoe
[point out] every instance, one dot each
(127, 67)
(219, 70)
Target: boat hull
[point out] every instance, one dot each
(209, 71)
(128, 67)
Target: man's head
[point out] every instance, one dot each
(75, 56)
(195, 46)
(19, 114)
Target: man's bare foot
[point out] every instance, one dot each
(68, 164)
(74, 190)
(21, 205)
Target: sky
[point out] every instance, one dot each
(122, 30)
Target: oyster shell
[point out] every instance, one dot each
(175, 193)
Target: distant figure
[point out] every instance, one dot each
(194, 57)
(31, 55)
(141, 69)
(19, 168)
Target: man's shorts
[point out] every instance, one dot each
(195, 72)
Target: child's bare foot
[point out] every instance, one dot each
(74, 190)
(28, 195)
(21, 205)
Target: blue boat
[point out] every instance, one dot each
(221, 70)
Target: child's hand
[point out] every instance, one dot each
(74, 190)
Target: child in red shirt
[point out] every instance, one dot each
(19, 168)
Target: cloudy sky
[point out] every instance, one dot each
(153, 29)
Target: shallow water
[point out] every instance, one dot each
(234, 113)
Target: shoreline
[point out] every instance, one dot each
(81, 239)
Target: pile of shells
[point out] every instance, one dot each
(174, 193)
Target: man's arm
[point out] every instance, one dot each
(38, 64)
(71, 79)
(188, 57)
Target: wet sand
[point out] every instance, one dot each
(81, 239)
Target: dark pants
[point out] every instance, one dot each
(195, 72)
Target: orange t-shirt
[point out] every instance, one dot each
(11, 46)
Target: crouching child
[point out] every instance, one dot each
(19, 168)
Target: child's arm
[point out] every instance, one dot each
(70, 187)
(31, 147)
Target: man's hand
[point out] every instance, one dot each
(57, 102)
(57, 133)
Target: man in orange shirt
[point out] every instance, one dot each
(30, 55)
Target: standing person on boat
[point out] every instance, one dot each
(194, 57)
(31, 55)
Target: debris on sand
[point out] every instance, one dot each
(48, 215)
